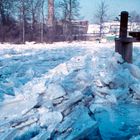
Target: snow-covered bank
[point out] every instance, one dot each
(59, 89)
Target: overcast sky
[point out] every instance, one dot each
(89, 7)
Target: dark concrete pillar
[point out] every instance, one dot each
(123, 24)
(124, 44)
(124, 49)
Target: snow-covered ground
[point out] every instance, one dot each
(68, 91)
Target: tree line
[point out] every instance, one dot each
(46, 20)
(27, 20)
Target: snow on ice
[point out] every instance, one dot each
(66, 91)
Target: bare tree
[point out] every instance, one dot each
(6, 17)
(50, 21)
(35, 9)
(42, 20)
(23, 8)
(28, 20)
(70, 11)
(6, 8)
(22, 20)
(101, 16)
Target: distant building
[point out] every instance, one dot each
(74, 30)
(110, 29)
(93, 29)
(79, 27)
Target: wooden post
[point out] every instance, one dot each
(123, 44)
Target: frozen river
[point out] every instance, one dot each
(68, 91)
(122, 122)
